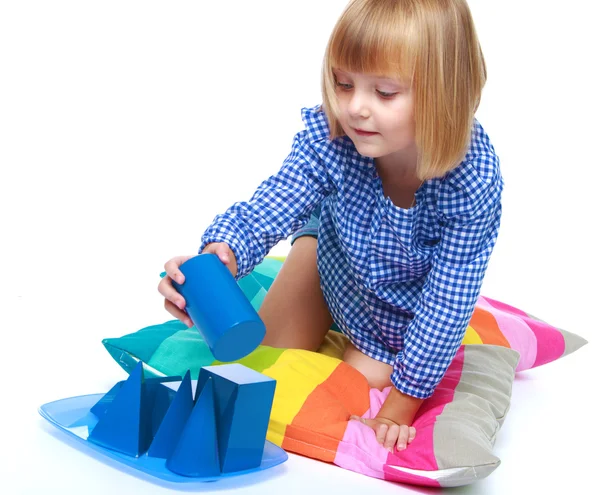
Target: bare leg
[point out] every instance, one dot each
(297, 317)
(294, 310)
(377, 373)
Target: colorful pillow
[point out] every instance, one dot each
(317, 392)
(536, 341)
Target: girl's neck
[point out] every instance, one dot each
(400, 166)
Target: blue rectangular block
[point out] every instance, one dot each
(243, 400)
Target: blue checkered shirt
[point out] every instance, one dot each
(400, 283)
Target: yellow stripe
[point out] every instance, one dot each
(278, 258)
(472, 337)
(297, 373)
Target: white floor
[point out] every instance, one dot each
(126, 125)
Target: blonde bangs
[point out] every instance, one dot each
(389, 50)
(369, 38)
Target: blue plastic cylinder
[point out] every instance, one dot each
(219, 309)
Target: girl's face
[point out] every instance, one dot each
(376, 113)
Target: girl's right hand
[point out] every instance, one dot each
(225, 254)
(174, 301)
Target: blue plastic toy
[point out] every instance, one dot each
(172, 435)
(197, 452)
(128, 423)
(174, 420)
(219, 309)
(243, 400)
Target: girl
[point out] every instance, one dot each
(401, 187)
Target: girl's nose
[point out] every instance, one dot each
(358, 106)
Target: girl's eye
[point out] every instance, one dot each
(385, 94)
(344, 86)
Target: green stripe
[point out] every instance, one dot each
(183, 351)
(143, 343)
(253, 290)
(260, 359)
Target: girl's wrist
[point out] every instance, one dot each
(399, 408)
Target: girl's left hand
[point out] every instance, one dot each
(388, 433)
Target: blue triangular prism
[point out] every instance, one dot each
(123, 427)
(100, 407)
(196, 453)
(173, 421)
(158, 398)
(103, 404)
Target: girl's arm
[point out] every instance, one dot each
(399, 408)
(280, 205)
(447, 302)
(470, 213)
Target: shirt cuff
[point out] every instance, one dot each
(404, 384)
(224, 233)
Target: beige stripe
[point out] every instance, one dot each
(465, 432)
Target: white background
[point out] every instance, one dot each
(125, 126)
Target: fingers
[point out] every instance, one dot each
(177, 313)
(172, 268)
(174, 301)
(224, 253)
(397, 436)
(403, 436)
(166, 289)
(412, 433)
(221, 249)
(389, 435)
(381, 432)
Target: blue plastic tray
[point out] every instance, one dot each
(73, 417)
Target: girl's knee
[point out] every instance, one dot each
(376, 372)
(294, 310)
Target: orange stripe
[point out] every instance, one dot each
(309, 443)
(487, 328)
(321, 422)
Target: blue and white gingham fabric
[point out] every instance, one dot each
(401, 284)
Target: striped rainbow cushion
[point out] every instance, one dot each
(317, 392)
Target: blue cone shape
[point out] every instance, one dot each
(173, 421)
(196, 453)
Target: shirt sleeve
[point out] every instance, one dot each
(279, 207)
(469, 210)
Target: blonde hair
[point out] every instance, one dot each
(431, 44)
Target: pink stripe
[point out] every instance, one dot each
(502, 306)
(359, 450)
(516, 331)
(551, 341)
